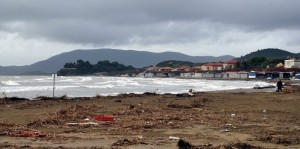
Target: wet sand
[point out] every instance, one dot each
(253, 118)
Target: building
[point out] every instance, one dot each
(292, 63)
(213, 66)
(182, 69)
(230, 65)
(165, 69)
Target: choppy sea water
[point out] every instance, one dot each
(88, 86)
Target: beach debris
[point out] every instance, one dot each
(291, 89)
(228, 124)
(104, 118)
(194, 103)
(263, 87)
(82, 124)
(3, 133)
(197, 103)
(232, 115)
(183, 95)
(5, 145)
(27, 133)
(174, 105)
(238, 145)
(74, 114)
(118, 100)
(173, 138)
(225, 130)
(184, 144)
(140, 118)
(190, 92)
(127, 142)
(278, 138)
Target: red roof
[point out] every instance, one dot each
(183, 67)
(166, 68)
(213, 64)
(232, 61)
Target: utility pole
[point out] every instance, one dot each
(54, 75)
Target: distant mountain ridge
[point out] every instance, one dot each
(136, 59)
(270, 53)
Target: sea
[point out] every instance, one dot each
(89, 86)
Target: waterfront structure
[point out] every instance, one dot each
(292, 63)
(230, 65)
(213, 66)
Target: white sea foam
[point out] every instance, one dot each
(30, 86)
(9, 83)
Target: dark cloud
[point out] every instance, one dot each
(114, 21)
(217, 24)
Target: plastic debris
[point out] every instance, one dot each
(104, 118)
(27, 133)
(174, 138)
(82, 124)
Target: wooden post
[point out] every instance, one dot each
(54, 75)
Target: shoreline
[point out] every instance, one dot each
(243, 90)
(108, 91)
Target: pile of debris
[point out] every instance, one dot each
(127, 118)
(279, 139)
(27, 133)
(128, 142)
(291, 89)
(195, 103)
(12, 100)
(182, 144)
(143, 118)
(74, 114)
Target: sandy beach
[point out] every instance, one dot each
(223, 119)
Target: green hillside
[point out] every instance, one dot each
(174, 63)
(86, 68)
(270, 53)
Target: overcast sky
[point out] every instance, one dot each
(33, 30)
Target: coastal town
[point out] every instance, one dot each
(226, 70)
(160, 74)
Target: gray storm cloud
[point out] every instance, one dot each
(119, 22)
(196, 27)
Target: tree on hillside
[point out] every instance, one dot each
(175, 63)
(258, 62)
(270, 53)
(86, 68)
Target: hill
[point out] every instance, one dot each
(173, 63)
(270, 53)
(86, 68)
(136, 59)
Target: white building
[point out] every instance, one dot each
(292, 63)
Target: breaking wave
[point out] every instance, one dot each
(23, 86)
(9, 83)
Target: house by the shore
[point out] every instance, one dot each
(221, 70)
